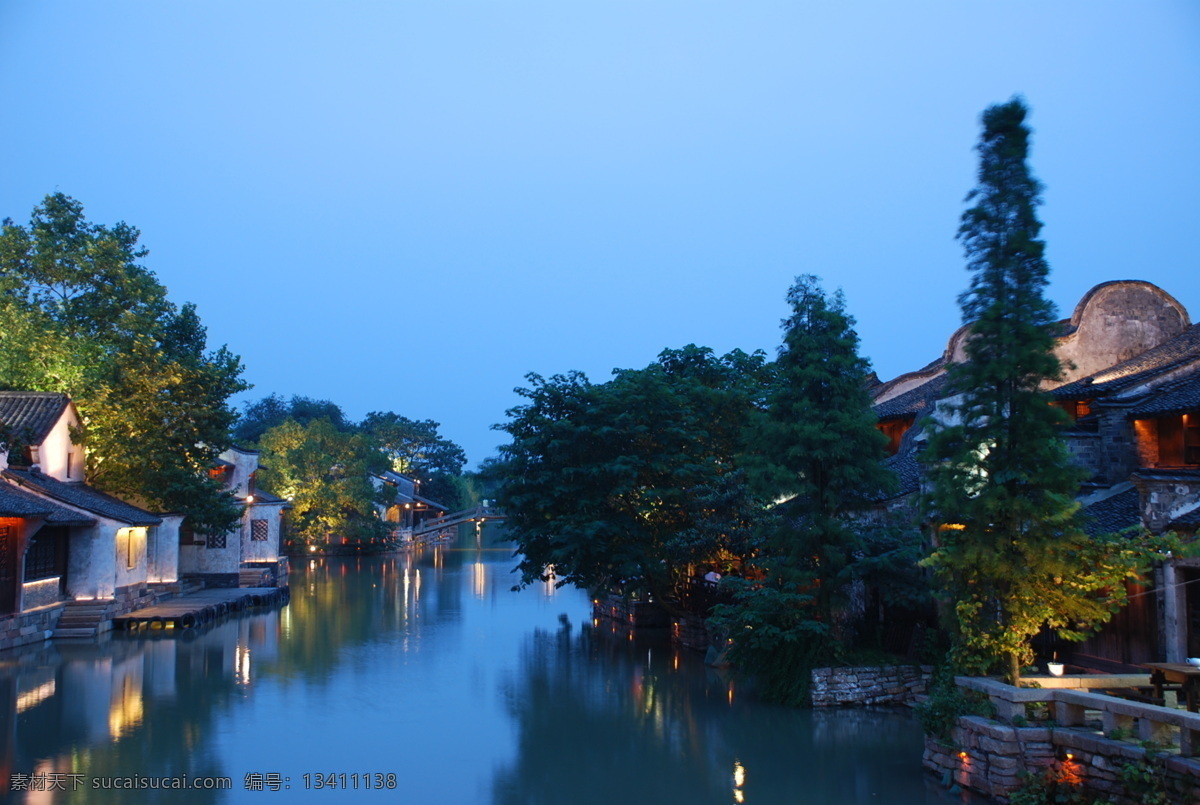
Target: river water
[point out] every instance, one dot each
(425, 679)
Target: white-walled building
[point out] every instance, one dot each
(60, 539)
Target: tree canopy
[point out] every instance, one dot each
(324, 462)
(814, 448)
(627, 483)
(326, 473)
(1011, 555)
(261, 415)
(82, 316)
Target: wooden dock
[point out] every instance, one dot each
(200, 608)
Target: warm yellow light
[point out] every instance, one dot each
(1070, 756)
(249, 498)
(739, 774)
(241, 664)
(952, 527)
(32, 698)
(125, 709)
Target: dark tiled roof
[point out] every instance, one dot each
(431, 503)
(907, 468)
(1167, 473)
(1114, 513)
(1175, 398)
(31, 414)
(913, 402)
(16, 502)
(1167, 355)
(1189, 521)
(83, 497)
(263, 496)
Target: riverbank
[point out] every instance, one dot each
(1071, 738)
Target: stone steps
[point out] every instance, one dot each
(80, 619)
(254, 577)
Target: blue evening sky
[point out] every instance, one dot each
(409, 205)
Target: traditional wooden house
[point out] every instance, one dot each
(249, 555)
(408, 508)
(1132, 391)
(60, 539)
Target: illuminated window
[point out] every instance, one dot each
(894, 430)
(1179, 440)
(259, 530)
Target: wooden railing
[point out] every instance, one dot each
(448, 521)
(1070, 705)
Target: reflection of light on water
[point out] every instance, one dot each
(286, 615)
(32, 698)
(551, 583)
(739, 780)
(241, 664)
(480, 579)
(45, 770)
(416, 584)
(126, 710)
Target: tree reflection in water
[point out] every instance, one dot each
(603, 719)
(145, 707)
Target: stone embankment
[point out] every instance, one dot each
(1123, 751)
(855, 687)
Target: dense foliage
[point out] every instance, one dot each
(814, 445)
(260, 416)
(1011, 556)
(326, 473)
(630, 483)
(82, 316)
(324, 463)
(415, 448)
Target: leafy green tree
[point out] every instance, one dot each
(602, 482)
(816, 446)
(260, 416)
(417, 450)
(326, 473)
(82, 316)
(415, 447)
(1010, 555)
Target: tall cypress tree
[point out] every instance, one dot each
(816, 446)
(1010, 554)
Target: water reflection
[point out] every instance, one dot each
(74, 713)
(608, 718)
(429, 666)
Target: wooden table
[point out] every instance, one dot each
(1177, 676)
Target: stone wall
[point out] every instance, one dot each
(889, 684)
(211, 580)
(28, 627)
(993, 759)
(42, 593)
